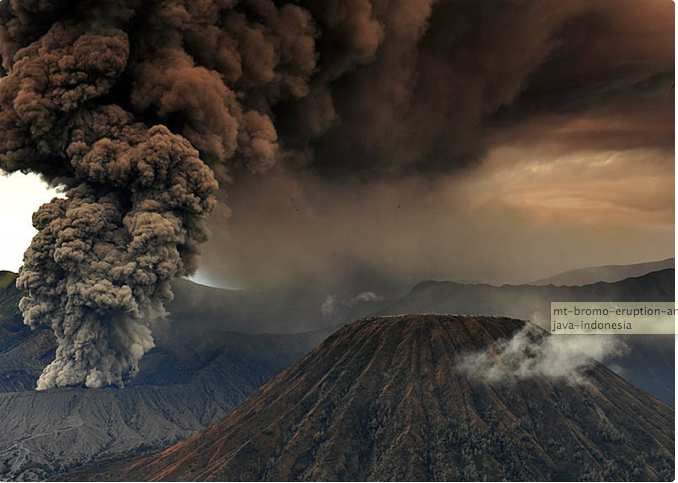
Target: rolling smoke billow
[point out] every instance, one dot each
(125, 104)
(140, 110)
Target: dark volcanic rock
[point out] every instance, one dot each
(383, 399)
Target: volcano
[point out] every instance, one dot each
(384, 399)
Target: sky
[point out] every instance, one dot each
(522, 145)
(475, 143)
(567, 210)
(20, 195)
(526, 212)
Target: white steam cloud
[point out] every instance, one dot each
(331, 305)
(531, 353)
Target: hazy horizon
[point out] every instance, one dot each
(21, 194)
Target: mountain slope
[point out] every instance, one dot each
(196, 374)
(179, 390)
(383, 399)
(605, 273)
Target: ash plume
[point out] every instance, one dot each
(146, 113)
(132, 107)
(421, 119)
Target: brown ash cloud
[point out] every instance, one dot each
(147, 112)
(132, 108)
(413, 101)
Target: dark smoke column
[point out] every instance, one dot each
(99, 269)
(120, 103)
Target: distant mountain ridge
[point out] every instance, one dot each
(382, 399)
(527, 302)
(605, 273)
(6, 278)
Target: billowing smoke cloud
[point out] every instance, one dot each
(531, 353)
(140, 110)
(126, 104)
(535, 96)
(329, 306)
(332, 305)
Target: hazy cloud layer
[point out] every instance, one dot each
(526, 213)
(563, 111)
